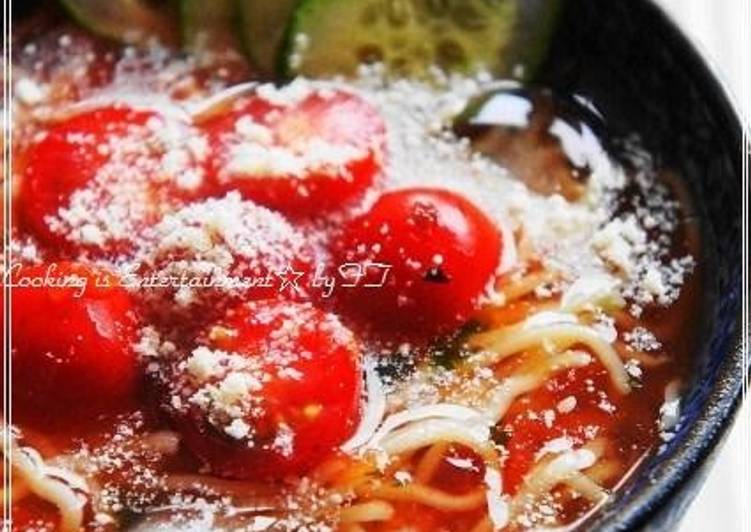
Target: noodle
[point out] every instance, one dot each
(603, 470)
(514, 386)
(215, 103)
(432, 497)
(343, 474)
(20, 491)
(509, 390)
(500, 344)
(498, 509)
(375, 407)
(353, 527)
(587, 487)
(57, 486)
(440, 410)
(430, 461)
(423, 433)
(515, 290)
(553, 471)
(367, 512)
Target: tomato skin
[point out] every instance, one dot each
(57, 166)
(114, 156)
(321, 406)
(32, 513)
(267, 256)
(341, 120)
(72, 355)
(442, 252)
(528, 434)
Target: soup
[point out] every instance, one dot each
(400, 298)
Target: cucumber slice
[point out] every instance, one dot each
(207, 24)
(263, 24)
(128, 21)
(330, 37)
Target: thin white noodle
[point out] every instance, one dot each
(55, 485)
(500, 344)
(375, 408)
(446, 411)
(441, 411)
(420, 434)
(498, 508)
(204, 107)
(510, 256)
(367, 512)
(586, 487)
(134, 100)
(545, 476)
(19, 493)
(510, 389)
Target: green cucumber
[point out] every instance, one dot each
(207, 24)
(262, 26)
(332, 37)
(128, 21)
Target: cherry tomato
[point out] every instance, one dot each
(72, 342)
(307, 156)
(304, 401)
(527, 428)
(418, 261)
(32, 512)
(68, 59)
(221, 252)
(94, 181)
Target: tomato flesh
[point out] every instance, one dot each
(237, 251)
(418, 260)
(301, 157)
(97, 179)
(72, 346)
(528, 431)
(44, 515)
(308, 399)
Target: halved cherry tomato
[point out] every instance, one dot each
(44, 515)
(212, 255)
(528, 430)
(303, 157)
(305, 400)
(420, 259)
(74, 329)
(97, 179)
(68, 59)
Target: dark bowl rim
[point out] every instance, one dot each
(720, 409)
